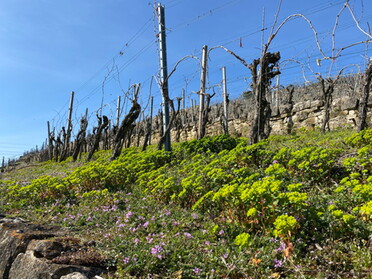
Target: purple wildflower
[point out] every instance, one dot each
(281, 247)
(278, 263)
(197, 270)
(156, 251)
(188, 235)
(128, 215)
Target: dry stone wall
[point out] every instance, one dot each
(307, 114)
(29, 251)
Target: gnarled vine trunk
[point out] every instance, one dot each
(261, 80)
(363, 108)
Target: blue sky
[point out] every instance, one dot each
(50, 48)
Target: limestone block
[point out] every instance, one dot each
(317, 103)
(48, 249)
(303, 114)
(75, 275)
(15, 235)
(285, 109)
(349, 103)
(298, 107)
(27, 266)
(336, 104)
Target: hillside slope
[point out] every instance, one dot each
(296, 206)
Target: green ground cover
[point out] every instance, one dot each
(296, 206)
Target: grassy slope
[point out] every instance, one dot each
(294, 206)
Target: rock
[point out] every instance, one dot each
(48, 249)
(348, 103)
(317, 103)
(27, 266)
(29, 251)
(75, 275)
(15, 235)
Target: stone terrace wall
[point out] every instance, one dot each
(29, 251)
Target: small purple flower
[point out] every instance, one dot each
(197, 270)
(278, 263)
(128, 215)
(146, 224)
(221, 232)
(136, 241)
(126, 260)
(207, 243)
(89, 219)
(167, 212)
(281, 247)
(188, 235)
(275, 162)
(156, 250)
(225, 256)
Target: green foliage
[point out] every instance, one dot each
(217, 207)
(242, 240)
(361, 139)
(284, 226)
(214, 144)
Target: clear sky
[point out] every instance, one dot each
(98, 48)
